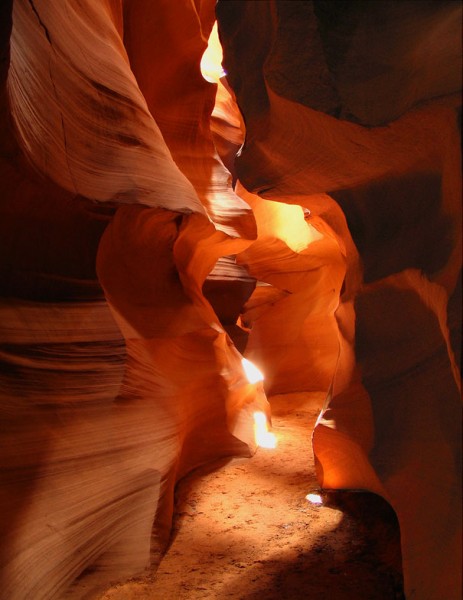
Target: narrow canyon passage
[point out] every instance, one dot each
(287, 194)
(245, 529)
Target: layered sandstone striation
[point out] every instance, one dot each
(117, 375)
(360, 102)
(139, 260)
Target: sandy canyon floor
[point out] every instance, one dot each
(245, 530)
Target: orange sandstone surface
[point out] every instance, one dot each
(300, 207)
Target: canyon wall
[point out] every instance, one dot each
(140, 259)
(352, 111)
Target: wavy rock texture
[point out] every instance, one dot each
(300, 268)
(171, 43)
(359, 101)
(128, 265)
(112, 149)
(117, 376)
(182, 101)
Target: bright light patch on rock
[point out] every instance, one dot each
(211, 62)
(314, 498)
(264, 438)
(252, 372)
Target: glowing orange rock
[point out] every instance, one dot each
(113, 385)
(328, 111)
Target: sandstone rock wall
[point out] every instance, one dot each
(354, 107)
(117, 376)
(131, 269)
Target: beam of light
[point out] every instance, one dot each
(314, 499)
(264, 438)
(252, 372)
(211, 62)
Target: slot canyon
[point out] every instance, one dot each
(215, 215)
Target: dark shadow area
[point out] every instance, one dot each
(399, 224)
(368, 569)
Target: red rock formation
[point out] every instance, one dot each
(117, 375)
(300, 267)
(126, 257)
(359, 100)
